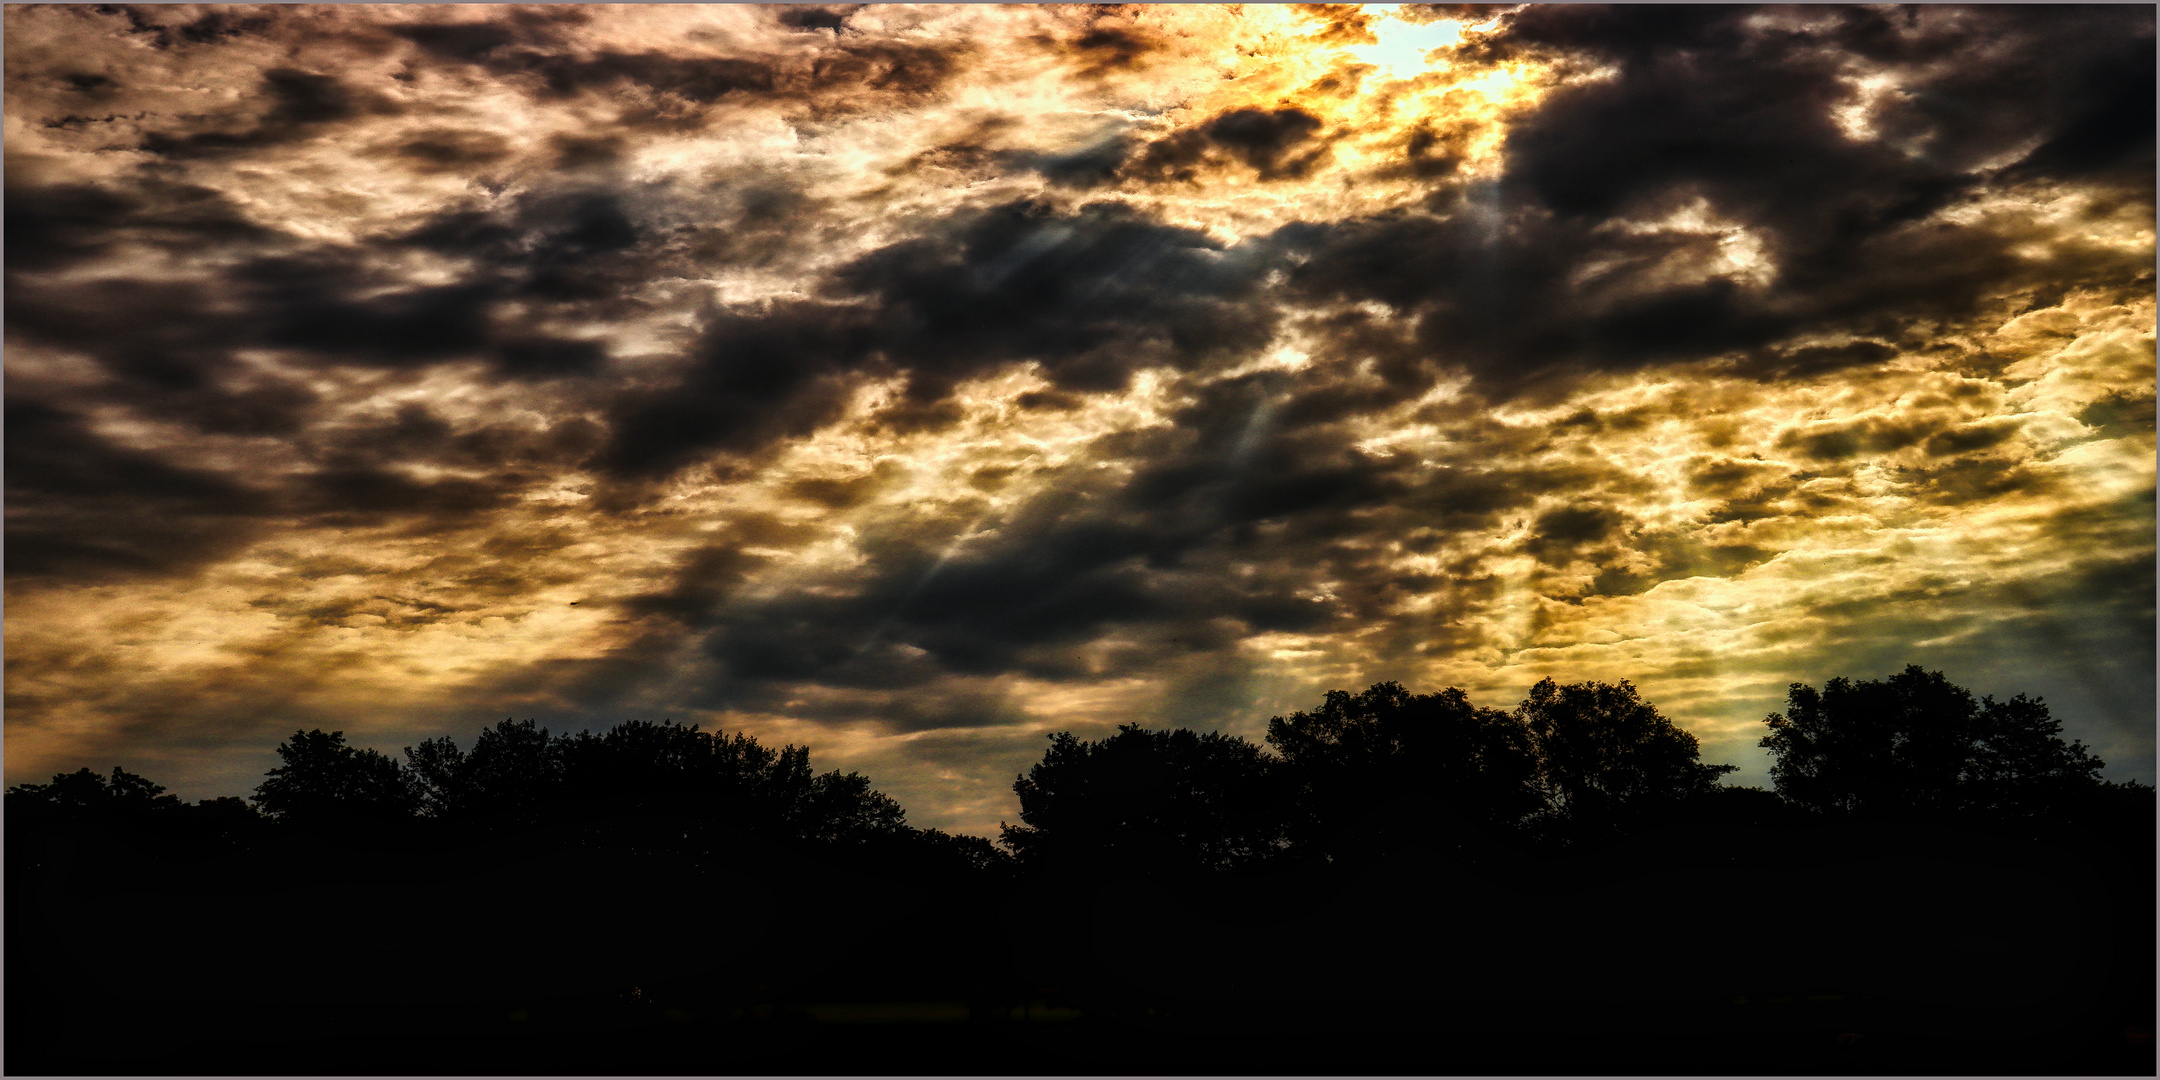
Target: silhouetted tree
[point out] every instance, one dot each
(1214, 801)
(666, 768)
(844, 808)
(1387, 751)
(513, 770)
(138, 807)
(84, 795)
(226, 816)
(960, 849)
(1607, 760)
(323, 779)
(1915, 743)
(518, 771)
(437, 769)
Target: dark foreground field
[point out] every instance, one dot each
(1862, 947)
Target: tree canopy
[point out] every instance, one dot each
(134, 803)
(1915, 743)
(1359, 753)
(1607, 758)
(85, 793)
(1571, 763)
(519, 772)
(1381, 767)
(1212, 801)
(323, 779)
(1424, 820)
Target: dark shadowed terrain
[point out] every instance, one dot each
(658, 900)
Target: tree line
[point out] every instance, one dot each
(1571, 765)
(658, 898)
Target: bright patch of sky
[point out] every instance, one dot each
(1404, 48)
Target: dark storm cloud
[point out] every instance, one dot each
(1811, 360)
(1728, 476)
(50, 226)
(938, 709)
(312, 306)
(1137, 558)
(1091, 296)
(1273, 143)
(1092, 165)
(2118, 415)
(1242, 464)
(1735, 106)
(562, 250)
(1510, 305)
(210, 27)
(1214, 535)
(172, 344)
(1283, 143)
(451, 150)
(816, 16)
(359, 471)
(1571, 526)
(71, 490)
(1676, 557)
(753, 379)
(1032, 602)
(1868, 435)
(81, 506)
(302, 105)
(1102, 40)
(1043, 585)
(1725, 97)
(328, 305)
(836, 69)
(1501, 303)
(355, 493)
(174, 358)
(567, 399)
(568, 250)
(1977, 478)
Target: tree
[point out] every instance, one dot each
(515, 768)
(322, 779)
(669, 769)
(139, 807)
(83, 795)
(1386, 747)
(666, 769)
(437, 769)
(972, 853)
(517, 771)
(844, 808)
(1211, 801)
(1915, 743)
(2020, 765)
(1607, 760)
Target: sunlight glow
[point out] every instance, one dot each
(1404, 47)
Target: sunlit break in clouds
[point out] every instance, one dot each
(909, 382)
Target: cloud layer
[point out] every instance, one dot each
(913, 381)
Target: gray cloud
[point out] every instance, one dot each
(912, 381)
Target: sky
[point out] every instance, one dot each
(910, 383)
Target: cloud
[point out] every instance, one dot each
(81, 506)
(911, 381)
(1270, 142)
(1086, 297)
